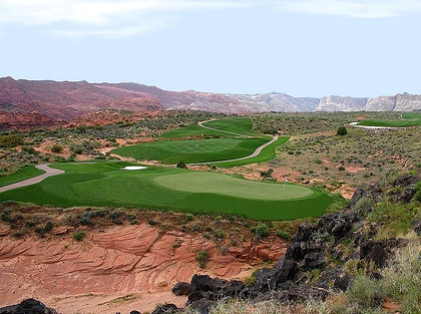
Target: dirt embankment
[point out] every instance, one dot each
(118, 269)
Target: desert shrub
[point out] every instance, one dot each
(188, 217)
(283, 234)
(29, 150)
(196, 228)
(11, 140)
(152, 222)
(181, 164)
(78, 150)
(363, 204)
(402, 278)
(341, 168)
(56, 149)
(202, 257)
(261, 230)
(6, 215)
(219, 234)
(79, 235)
(366, 292)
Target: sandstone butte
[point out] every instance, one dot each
(117, 270)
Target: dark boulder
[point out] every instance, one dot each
(216, 288)
(182, 288)
(167, 309)
(201, 283)
(202, 305)
(286, 272)
(29, 306)
(304, 232)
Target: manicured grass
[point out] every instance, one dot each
(268, 153)
(171, 152)
(25, 173)
(413, 115)
(191, 131)
(205, 182)
(106, 184)
(391, 123)
(242, 126)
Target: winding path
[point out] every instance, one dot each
(49, 172)
(255, 153)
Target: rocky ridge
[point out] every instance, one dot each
(326, 246)
(68, 100)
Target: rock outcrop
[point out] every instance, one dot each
(317, 247)
(339, 103)
(28, 306)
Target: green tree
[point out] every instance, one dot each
(342, 131)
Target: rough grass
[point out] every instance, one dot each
(171, 152)
(25, 173)
(105, 184)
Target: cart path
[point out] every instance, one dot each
(255, 153)
(49, 172)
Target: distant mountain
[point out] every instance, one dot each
(64, 101)
(338, 103)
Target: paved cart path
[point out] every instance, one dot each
(49, 172)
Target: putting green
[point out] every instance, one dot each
(108, 184)
(200, 182)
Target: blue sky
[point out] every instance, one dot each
(299, 47)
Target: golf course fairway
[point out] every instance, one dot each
(108, 184)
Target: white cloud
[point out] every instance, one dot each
(102, 17)
(352, 8)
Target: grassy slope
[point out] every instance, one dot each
(171, 152)
(190, 131)
(26, 173)
(237, 125)
(105, 184)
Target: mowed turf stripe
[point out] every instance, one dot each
(203, 182)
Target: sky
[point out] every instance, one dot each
(309, 48)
